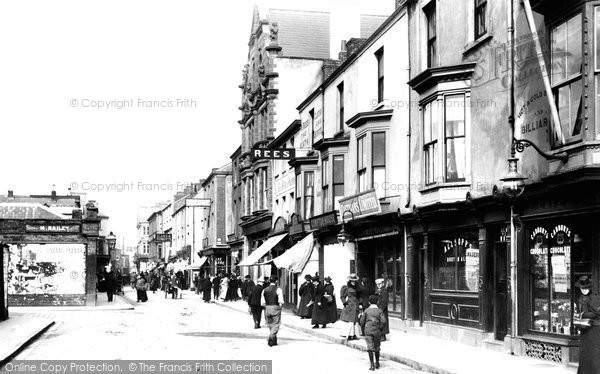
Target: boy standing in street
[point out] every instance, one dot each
(372, 323)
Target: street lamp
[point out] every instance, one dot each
(513, 184)
(344, 236)
(111, 239)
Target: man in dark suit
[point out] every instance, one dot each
(216, 283)
(247, 287)
(110, 285)
(254, 303)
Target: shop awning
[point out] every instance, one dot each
(255, 256)
(295, 258)
(198, 264)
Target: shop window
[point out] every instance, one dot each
(566, 53)
(456, 263)
(557, 257)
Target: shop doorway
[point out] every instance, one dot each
(500, 290)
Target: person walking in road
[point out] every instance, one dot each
(140, 286)
(255, 304)
(589, 345)
(306, 292)
(382, 303)
(372, 322)
(330, 303)
(216, 283)
(350, 295)
(319, 315)
(110, 283)
(272, 299)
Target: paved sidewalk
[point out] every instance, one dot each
(425, 353)
(119, 303)
(18, 331)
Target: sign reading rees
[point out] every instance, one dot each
(278, 154)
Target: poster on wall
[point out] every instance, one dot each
(47, 269)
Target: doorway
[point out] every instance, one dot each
(500, 290)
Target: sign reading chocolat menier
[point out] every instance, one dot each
(362, 204)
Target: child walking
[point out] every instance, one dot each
(372, 323)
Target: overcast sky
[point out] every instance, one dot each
(62, 60)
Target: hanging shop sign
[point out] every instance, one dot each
(361, 205)
(162, 237)
(324, 220)
(273, 154)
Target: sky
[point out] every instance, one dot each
(126, 101)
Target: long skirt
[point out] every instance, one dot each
(206, 294)
(589, 351)
(142, 295)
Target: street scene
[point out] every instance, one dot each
(281, 186)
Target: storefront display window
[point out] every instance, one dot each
(552, 250)
(456, 263)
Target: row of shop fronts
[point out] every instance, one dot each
(448, 268)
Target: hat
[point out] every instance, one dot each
(584, 282)
(353, 277)
(247, 276)
(316, 278)
(379, 280)
(328, 279)
(265, 279)
(273, 279)
(308, 277)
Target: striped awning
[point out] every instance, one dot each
(261, 251)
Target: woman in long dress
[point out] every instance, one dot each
(224, 287)
(306, 297)
(350, 296)
(331, 304)
(589, 345)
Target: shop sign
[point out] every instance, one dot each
(323, 220)
(284, 184)
(376, 231)
(361, 205)
(51, 228)
(90, 228)
(162, 237)
(273, 154)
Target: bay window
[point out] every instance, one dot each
(455, 138)
(299, 194)
(566, 54)
(378, 162)
(338, 179)
(325, 185)
(309, 190)
(430, 130)
(361, 164)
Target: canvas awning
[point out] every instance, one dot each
(197, 265)
(255, 256)
(295, 258)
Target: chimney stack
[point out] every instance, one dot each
(53, 195)
(10, 193)
(343, 52)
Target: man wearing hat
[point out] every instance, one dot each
(382, 303)
(255, 304)
(306, 298)
(272, 299)
(247, 287)
(589, 345)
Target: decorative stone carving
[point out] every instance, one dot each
(261, 70)
(245, 73)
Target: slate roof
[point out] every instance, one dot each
(302, 33)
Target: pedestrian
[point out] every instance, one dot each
(247, 287)
(367, 288)
(319, 313)
(589, 345)
(196, 284)
(350, 295)
(110, 284)
(306, 298)
(272, 299)
(232, 288)
(206, 287)
(155, 282)
(174, 284)
(372, 322)
(224, 288)
(119, 282)
(382, 303)
(216, 283)
(140, 286)
(255, 304)
(330, 303)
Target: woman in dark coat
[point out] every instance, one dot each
(589, 346)
(319, 314)
(205, 287)
(140, 286)
(331, 304)
(382, 303)
(351, 298)
(306, 297)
